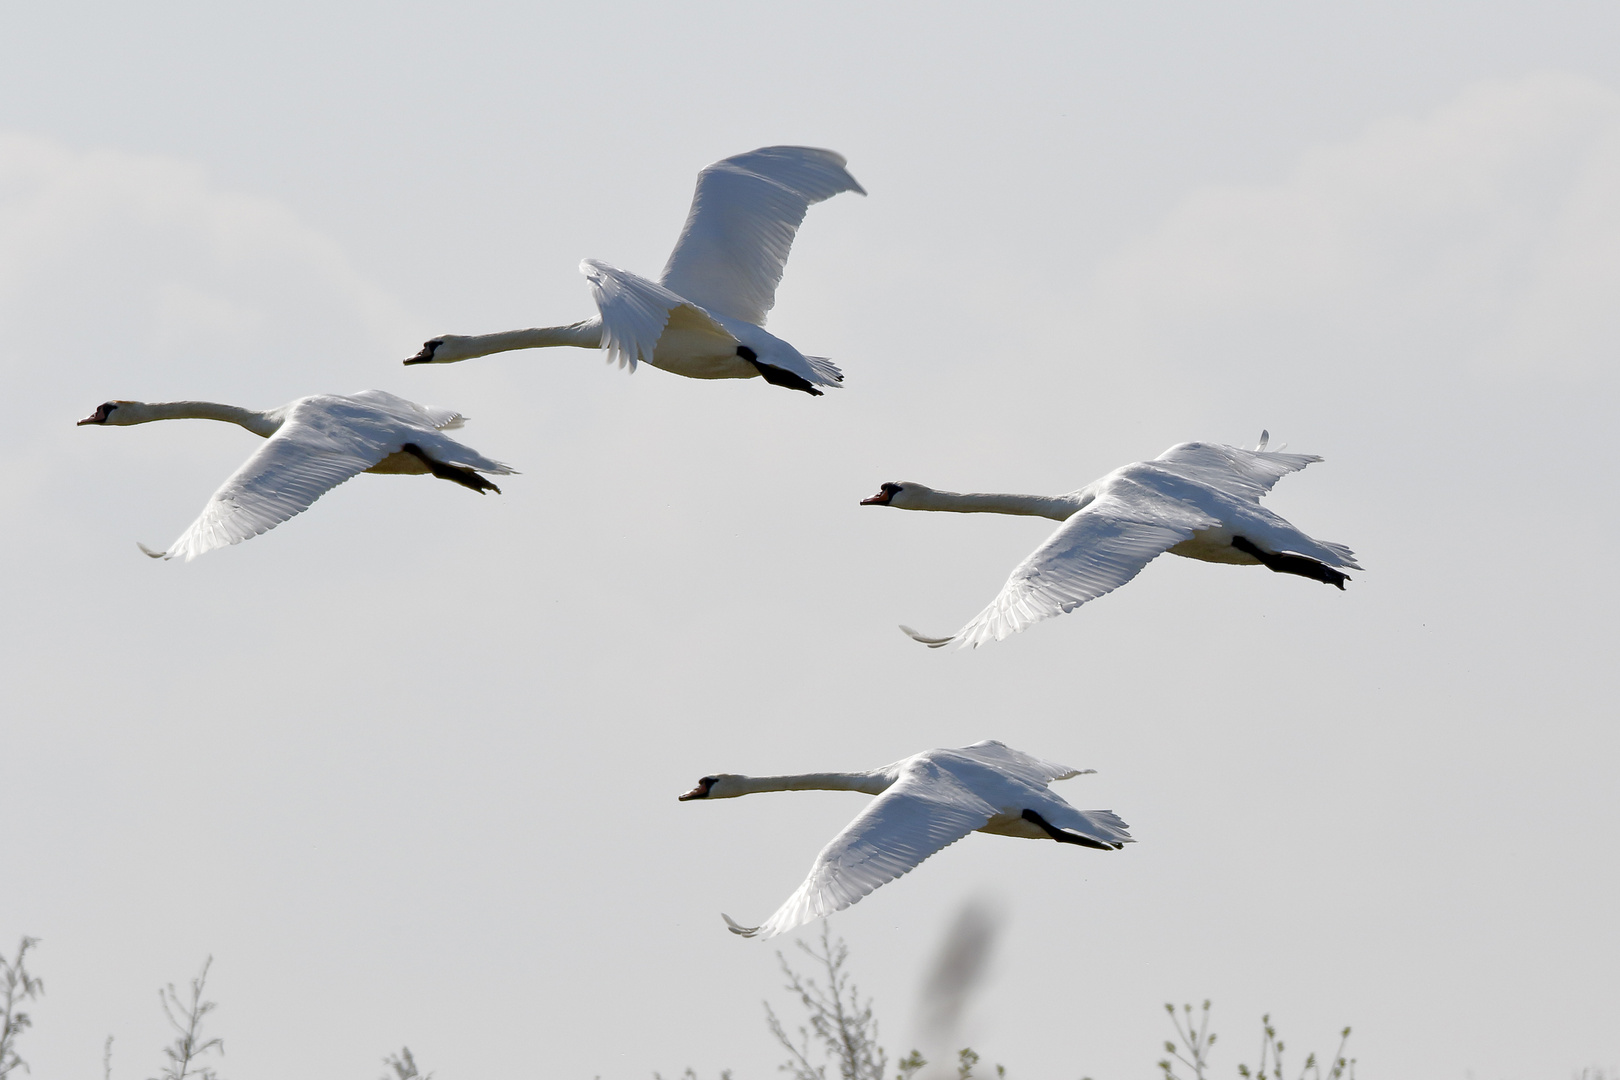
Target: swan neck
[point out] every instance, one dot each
(585, 335)
(871, 783)
(260, 423)
(1056, 508)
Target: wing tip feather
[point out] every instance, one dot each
(931, 642)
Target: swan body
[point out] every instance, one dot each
(704, 317)
(312, 445)
(924, 804)
(1197, 500)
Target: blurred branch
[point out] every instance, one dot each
(186, 1019)
(1191, 1051)
(18, 986)
(404, 1066)
(840, 1024)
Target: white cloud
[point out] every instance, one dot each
(1483, 236)
(142, 265)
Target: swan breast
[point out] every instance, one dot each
(399, 463)
(1214, 545)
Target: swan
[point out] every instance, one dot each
(924, 803)
(703, 317)
(1198, 500)
(312, 445)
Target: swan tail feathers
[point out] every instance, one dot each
(825, 372)
(1324, 551)
(931, 642)
(737, 928)
(1107, 826)
(1342, 556)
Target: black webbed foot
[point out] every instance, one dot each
(1063, 837)
(1299, 565)
(777, 376)
(467, 478)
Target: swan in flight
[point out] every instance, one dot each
(924, 804)
(312, 445)
(702, 318)
(1198, 500)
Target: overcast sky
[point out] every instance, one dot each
(407, 765)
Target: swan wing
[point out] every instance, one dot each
(441, 419)
(323, 441)
(924, 811)
(635, 312)
(1094, 552)
(1016, 763)
(744, 215)
(294, 467)
(1244, 474)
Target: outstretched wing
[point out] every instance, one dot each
(635, 312)
(925, 811)
(324, 441)
(744, 215)
(294, 467)
(1244, 474)
(1094, 552)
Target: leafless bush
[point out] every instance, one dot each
(841, 1026)
(404, 1066)
(186, 1018)
(17, 986)
(1194, 1039)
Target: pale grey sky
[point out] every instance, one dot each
(407, 765)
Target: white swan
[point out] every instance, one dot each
(703, 317)
(1198, 500)
(924, 803)
(313, 445)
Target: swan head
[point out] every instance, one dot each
(724, 786)
(905, 496)
(446, 349)
(115, 414)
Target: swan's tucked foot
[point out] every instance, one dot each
(1066, 837)
(931, 642)
(1282, 563)
(777, 376)
(737, 928)
(426, 355)
(149, 553)
(467, 478)
(1299, 564)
